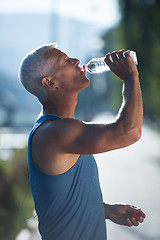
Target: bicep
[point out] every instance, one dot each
(73, 136)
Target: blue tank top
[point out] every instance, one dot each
(69, 206)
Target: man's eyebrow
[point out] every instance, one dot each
(65, 55)
(62, 57)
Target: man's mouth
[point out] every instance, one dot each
(80, 68)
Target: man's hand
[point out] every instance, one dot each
(124, 214)
(121, 64)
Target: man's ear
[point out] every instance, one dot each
(48, 82)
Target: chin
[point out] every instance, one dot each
(86, 84)
(86, 79)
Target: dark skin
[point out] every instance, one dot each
(123, 214)
(61, 142)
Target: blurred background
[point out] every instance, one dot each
(83, 29)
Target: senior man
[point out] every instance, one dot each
(63, 172)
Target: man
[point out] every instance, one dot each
(63, 172)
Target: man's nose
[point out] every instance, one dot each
(76, 62)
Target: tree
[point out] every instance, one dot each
(13, 178)
(139, 31)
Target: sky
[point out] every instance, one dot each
(100, 12)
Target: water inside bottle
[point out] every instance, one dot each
(98, 65)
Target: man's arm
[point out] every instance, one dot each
(76, 137)
(130, 115)
(124, 214)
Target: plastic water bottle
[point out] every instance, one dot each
(98, 65)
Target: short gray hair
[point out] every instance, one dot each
(33, 68)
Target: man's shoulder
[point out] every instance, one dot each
(59, 126)
(56, 128)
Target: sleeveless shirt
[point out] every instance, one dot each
(69, 206)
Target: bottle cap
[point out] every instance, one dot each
(137, 215)
(84, 68)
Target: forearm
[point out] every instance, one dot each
(130, 116)
(107, 210)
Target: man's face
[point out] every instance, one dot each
(66, 71)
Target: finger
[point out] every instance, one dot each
(114, 56)
(108, 59)
(143, 215)
(127, 53)
(120, 53)
(135, 223)
(141, 220)
(129, 223)
(138, 213)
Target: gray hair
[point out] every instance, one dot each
(33, 68)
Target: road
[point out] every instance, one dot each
(132, 175)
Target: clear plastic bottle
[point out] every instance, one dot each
(98, 65)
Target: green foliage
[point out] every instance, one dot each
(13, 179)
(139, 31)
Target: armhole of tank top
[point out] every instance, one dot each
(30, 140)
(29, 147)
(34, 129)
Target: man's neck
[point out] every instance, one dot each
(62, 107)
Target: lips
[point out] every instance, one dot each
(80, 69)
